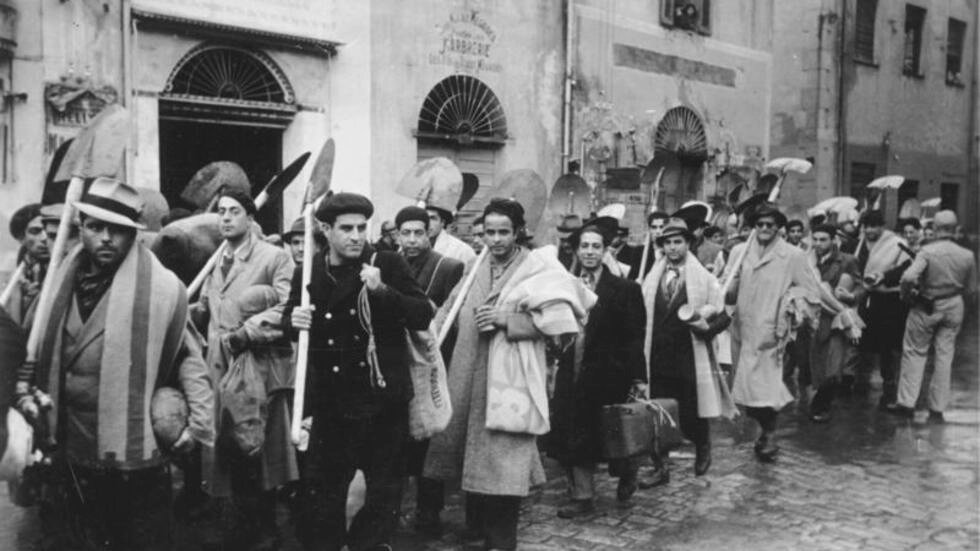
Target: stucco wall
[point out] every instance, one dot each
(523, 68)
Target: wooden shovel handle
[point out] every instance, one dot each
(11, 285)
(74, 193)
(303, 346)
(460, 298)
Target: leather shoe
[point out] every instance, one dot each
(820, 417)
(577, 508)
(702, 459)
(936, 417)
(765, 449)
(626, 488)
(659, 477)
(902, 412)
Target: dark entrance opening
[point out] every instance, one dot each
(186, 146)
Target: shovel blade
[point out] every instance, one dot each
(527, 188)
(471, 184)
(790, 164)
(322, 175)
(893, 181)
(570, 195)
(99, 149)
(436, 182)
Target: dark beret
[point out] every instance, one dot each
(241, 197)
(22, 217)
(914, 222)
(411, 214)
(873, 218)
(829, 229)
(794, 224)
(343, 203)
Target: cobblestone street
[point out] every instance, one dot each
(866, 480)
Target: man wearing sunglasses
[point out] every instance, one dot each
(772, 281)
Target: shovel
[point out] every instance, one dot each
(316, 189)
(882, 184)
(275, 187)
(50, 196)
(98, 150)
(471, 184)
(784, 165)
(212, 178)
(658, 165)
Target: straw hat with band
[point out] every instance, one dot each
(113, 202)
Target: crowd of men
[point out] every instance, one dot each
(776, 312)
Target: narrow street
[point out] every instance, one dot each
(866, 480)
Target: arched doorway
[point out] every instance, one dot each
(462, 119)
(224, 103)
(681, 133)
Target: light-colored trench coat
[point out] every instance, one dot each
(759, 336)
(256, 263)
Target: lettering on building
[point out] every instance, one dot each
(466, 43)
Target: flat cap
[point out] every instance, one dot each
(945, 218)
(343, 203)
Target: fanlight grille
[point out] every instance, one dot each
(462, 108)
(229, 74)
(681, 132)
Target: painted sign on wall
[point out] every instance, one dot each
(466, 43)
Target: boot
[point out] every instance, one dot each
(702, 459)
(660, 475)
(765, 448)
(577, 508)
(626, 488)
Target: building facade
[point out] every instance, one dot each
(686, 77)
(259, 83)
(867, 88)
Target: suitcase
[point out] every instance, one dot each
(636, 428)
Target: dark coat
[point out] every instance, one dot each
(436, 274)
(338, 375)
(611, 360)
(633, 255)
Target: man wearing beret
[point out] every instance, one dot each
(772, 282)
(116, 329)
(436, 275)
(27, 227)
(358, 383)
(249, 482)
(444, 243)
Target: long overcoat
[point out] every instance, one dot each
(486, 461)
(758, 334)
(612, 358)
(257, 263)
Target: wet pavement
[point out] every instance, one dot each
(866, 480)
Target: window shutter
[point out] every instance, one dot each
(864, 30)
(704, 16)
(667, 13)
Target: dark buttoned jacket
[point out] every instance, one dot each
(339, 376)
(436, 274)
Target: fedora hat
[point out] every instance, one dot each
(675, 226)
(763, 210)
(298, 227)
(113, 202)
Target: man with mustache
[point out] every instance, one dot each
(358, 382)
(116, 330)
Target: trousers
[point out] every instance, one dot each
(885, 318)
(922, 330)
(341, 444)
(106, 509)
(494, 517)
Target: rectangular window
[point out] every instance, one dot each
(864, 30)
(949, 195)
(955, 33)
(861, 176)
(690, 15)
(915, 18)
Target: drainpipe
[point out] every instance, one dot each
(566, 151)
(973, 139)
(127, 87)
(842, 67)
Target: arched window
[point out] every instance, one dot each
(681, 132)
(464, 110)
(229, 84)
